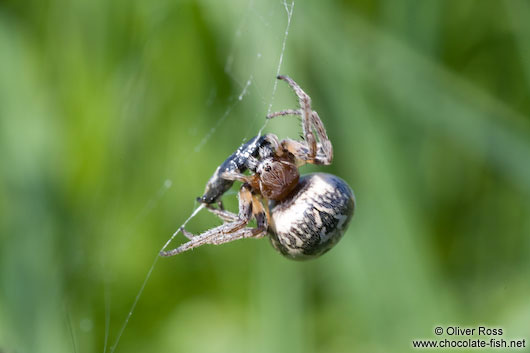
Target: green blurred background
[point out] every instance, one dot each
(114, 114)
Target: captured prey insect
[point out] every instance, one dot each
(304, 216)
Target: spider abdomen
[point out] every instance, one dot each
(313, 218)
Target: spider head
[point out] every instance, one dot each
(277, 178)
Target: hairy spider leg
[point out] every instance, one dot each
(306, 112)
(245, 213)
(259, 213)
(325, 149)
(249, 206)
(310, 151)
(285, 112)
(225, 215)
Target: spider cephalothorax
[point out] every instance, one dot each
(305, 216)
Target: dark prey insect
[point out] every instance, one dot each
(304, 216)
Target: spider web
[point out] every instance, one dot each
(243, 72)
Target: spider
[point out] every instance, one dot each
(305, 216)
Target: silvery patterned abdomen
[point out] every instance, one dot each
(313, 218)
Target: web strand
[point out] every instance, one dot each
(140, 292)
(148, 207)
(289, 10)
(210, 133)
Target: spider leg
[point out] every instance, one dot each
(285, 112)
(298, 149)
(260, 231)
(246, 201)
(306, 112)
(261, 213)
(236, 176)
(310, 151)
(252, 180)
(324, 148)
(240, 234)
(303, 155)
(186, 233)
(225, 215)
